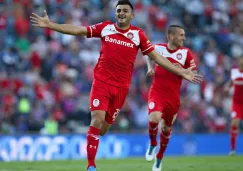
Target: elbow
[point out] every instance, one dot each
(81, 32)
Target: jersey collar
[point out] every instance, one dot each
(122, 31)
(171, 51)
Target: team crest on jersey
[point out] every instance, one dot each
(96, 102)
(179, 56)
(151, 105)
(130, 35)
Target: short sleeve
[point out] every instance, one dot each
(190, 60)
(96, 29)
(145, 45)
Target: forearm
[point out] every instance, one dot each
(68, 29)
(165, 63)
(149, 63)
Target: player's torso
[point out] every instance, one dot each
(237, 79)
(118, 53)
(166, 81)
(119, 46)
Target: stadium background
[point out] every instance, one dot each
(45, 77)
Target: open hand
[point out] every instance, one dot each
(189, 75)
(38, 21)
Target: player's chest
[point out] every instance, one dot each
(114, 39)
(236, 75)
(179, 56)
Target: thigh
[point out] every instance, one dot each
(169, 114)
(116, 103)
(99, 96)
(155, 116)
(156, 102)
(237, 111)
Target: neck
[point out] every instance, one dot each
(171, 46)
(122, 27)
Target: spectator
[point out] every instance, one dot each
(45, 76)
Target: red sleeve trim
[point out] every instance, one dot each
(148, 50)
(89, 31)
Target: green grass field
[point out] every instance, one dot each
(214, 163)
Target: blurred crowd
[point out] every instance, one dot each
(46, 77)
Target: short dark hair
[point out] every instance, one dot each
(124, 2)
(172, 29)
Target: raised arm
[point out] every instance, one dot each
(187, 74)
(44, 22)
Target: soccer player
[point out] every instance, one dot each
(120, 43)
(164, 94)
(236, 81)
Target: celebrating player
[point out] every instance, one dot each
(120, 43)
(236, 81)
(164, 94)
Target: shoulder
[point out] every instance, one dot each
(160, 47)
(163, 45)
(107, 22)
(185, 49)
(234, 69)
(136, 28)
(103, 24)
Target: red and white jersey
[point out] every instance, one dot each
(237, 80)
(165, 82)
(118, 52)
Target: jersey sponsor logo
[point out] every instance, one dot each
(179, 56)
(96, 102)
(118, 42)
(130, 35)
(151, 105)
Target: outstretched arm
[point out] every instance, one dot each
(187, 74)
(44, 22)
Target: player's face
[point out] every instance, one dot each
(179, 37)
(124, 14)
